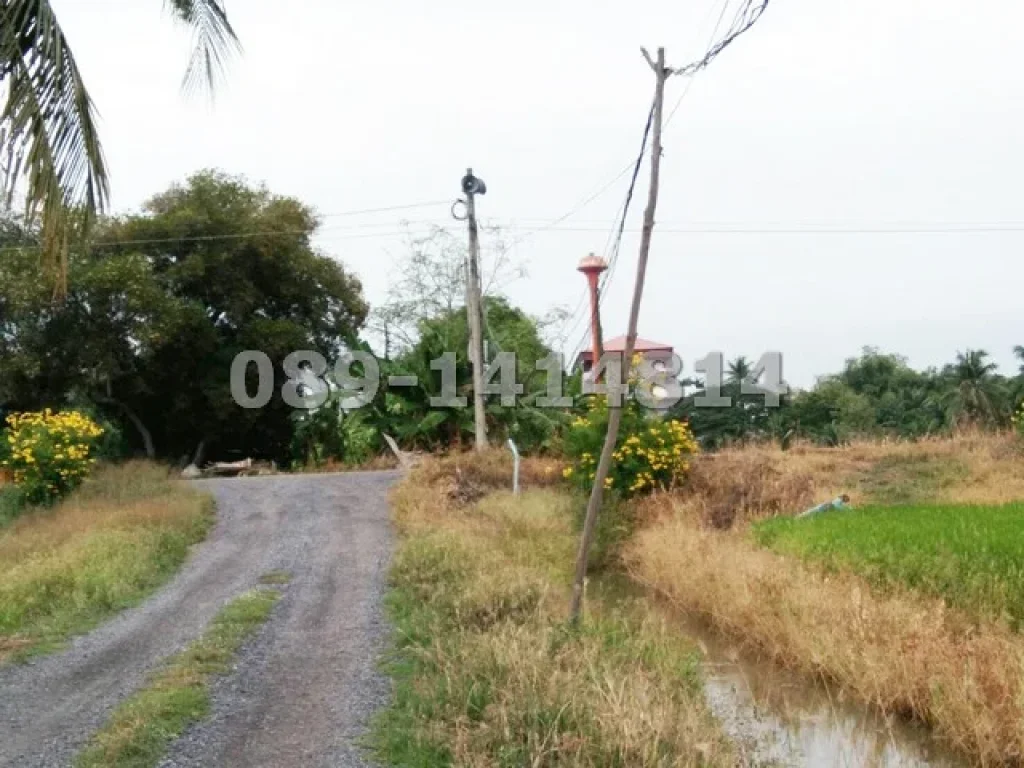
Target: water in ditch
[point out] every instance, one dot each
(782, 718)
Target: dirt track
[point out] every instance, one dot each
(300, 693)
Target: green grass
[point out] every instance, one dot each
(12, 504)
(65, 569)
(973, 556)
(273, 578)
(140, 729)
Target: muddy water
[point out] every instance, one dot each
(782, 718)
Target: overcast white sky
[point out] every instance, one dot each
(831, 113)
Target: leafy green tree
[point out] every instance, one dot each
(509, 330)
(406, 412)
(88, 348)
(161, 306)
(746, 418)
(47, 127)
(906, 401)
(831, 413)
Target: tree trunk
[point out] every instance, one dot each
(144, 433)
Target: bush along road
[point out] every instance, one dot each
(298, 693)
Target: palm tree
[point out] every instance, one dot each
(738, 371)
(47, 127)
(974, 398)
(1018, 352)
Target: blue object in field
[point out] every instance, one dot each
(838, 503)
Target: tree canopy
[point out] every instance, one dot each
(160, 305)
(875, 394)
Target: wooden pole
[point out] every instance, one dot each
(615, 412)
(475, 310)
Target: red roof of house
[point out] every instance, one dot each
(618, 344)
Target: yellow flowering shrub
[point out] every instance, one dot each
(49, 454)
(650, 453)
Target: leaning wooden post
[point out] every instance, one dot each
(615, 411)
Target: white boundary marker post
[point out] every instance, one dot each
(515, 466)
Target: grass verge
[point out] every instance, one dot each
(896, 649)
(486, 671)
(12, 504)
(273, 578)
(973, 556)
(65, 569)
(140, 729)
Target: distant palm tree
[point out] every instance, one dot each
(47, 127)
(974, 397)
(738, 370)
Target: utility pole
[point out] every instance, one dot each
(472, 186)
(661, 74)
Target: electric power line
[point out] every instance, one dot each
(883, 229)
(955, 228)
(746, 17)
(686, 90)
(616, 248)
(385, 209)
(270, 233)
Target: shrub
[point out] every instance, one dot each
(360, 438)
(1018, 420)
(50, 453)
(649, 454)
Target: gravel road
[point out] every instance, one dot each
(300, 693)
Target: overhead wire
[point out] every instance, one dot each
(617, 246)
(385, 209)
(268, 233)
(553, 224)
(606, 279)
(924, 228)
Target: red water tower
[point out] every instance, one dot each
(592, 266)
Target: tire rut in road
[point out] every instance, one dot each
(304, 690)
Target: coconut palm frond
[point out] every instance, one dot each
(215, 40)
(48, 125)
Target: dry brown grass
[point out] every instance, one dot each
(488, 674)
(746, 483)
(898, 650)
(119, 497)
(64, 569)
(379, 462)
(491, 470)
